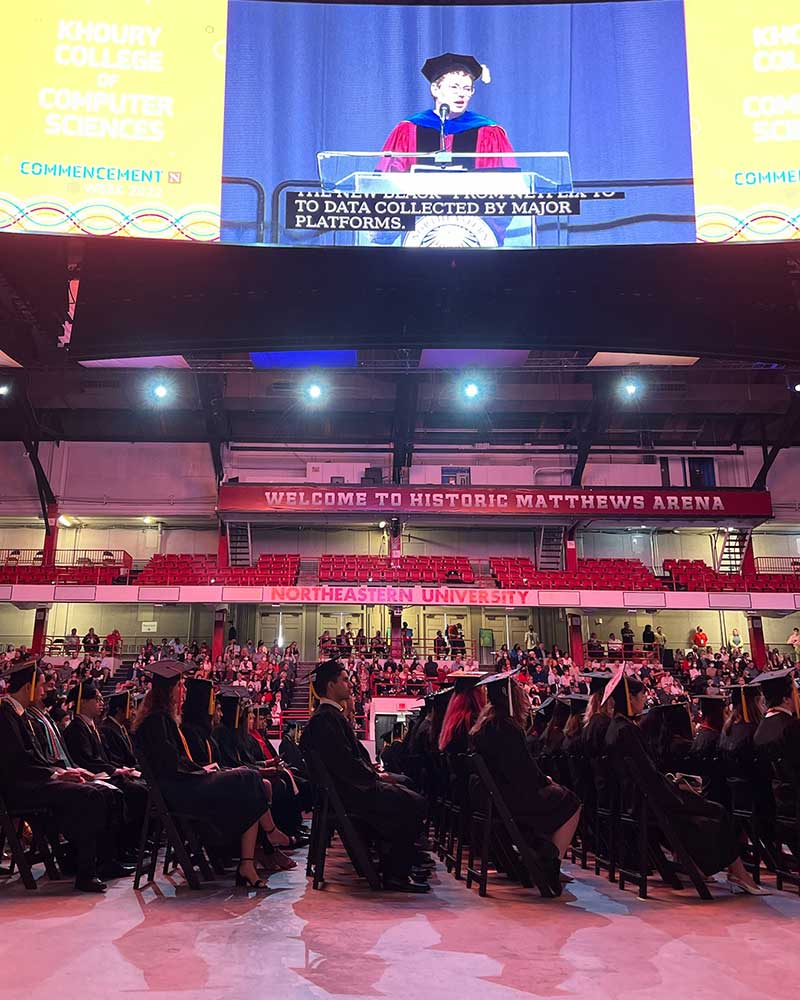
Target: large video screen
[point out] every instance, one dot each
(312, 124)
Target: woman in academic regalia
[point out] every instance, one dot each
(462, 711)
(233, 802)
(539, 805)
(705, 827)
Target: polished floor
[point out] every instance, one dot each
(595, 942)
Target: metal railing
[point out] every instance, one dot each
(778, 564)
(12, 558)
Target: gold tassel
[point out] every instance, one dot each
(627, 694)
(80, 696)
(236, 723)
(212, 703)
(796, 699)
(128, 706)
(33, 685)
(745, 713)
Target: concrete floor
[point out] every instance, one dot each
(595, 942)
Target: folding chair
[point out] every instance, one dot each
(648, 848)
(329, 817)
(787, 825)
(183, 844)
(490, 820)
(11, 821)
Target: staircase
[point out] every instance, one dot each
(550, 551)
(124, 674)
(240, 549)
(308, 574)
(729, 549)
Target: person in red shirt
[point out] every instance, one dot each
(699, 638)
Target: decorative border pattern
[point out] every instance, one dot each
(200, 224)
(765, 222)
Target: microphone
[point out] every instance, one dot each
(444, 111)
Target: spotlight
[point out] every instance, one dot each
(314, 391)
(629, 388)
(472, 390)
(64, 521)
(160, 391)
(381, 525)
(5, 389)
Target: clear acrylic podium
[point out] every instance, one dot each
(423, 174)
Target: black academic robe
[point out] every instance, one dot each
(777, 742)
(593, 742)
(203, 747)
(230, 801)
(81, 812)
(291, 753)
(86, 749)
(704, 759)
(117, 743)
(393, 812)
(705, 827)
(51, 743)
(748, 776)
(538, 804)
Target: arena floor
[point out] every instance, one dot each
(291, 942)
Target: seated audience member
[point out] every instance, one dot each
(28, 780)
(542, 808)
(705, 827)
(233, 802)
(395, 814)
(290, 751)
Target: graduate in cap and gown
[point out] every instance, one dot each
(29, 780)
(394, 814)
(198, 712)
(705, 827)
(452, 79)
(114, 730)
(86, 749)
(704, 756)
(462, 710)
(777, 739)
(545, 809)
(233, 802)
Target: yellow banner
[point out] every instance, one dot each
(744, 87)
(113, 117)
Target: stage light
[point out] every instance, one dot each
(160, 391)
(149, 520)
(381, 525)
(796, 387)
(64, 521)
(5, 390)
(314, 391)
(629, 388)
(472, 390)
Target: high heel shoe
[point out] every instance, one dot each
(242, 882)
(281, 839)
(737, 885)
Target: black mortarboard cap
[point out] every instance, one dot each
(452, 62)
(466, 679)
(546, 709)
(578, 703)
(777, 685)
(200, 695)
(83, 691)
(21, 672)
(597, 681)
(121, 700)
(324, 672)
(621, 682)
(741, 695)
(166, 672)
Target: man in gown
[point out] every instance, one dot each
(452, 83)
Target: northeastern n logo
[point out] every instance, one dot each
(451, 232)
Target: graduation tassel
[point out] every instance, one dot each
(510, 701)
(128, 705)
(628, 709)
(796, 699)
(745, 713)
(212, 704)
(33, 685)
(80, 696)
(236, 723)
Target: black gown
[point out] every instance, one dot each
(777, 744)
(117, 743)
(231, 801)
(705, 827)
(536, 803)
(749, 784)
(594, 747)
(81, 812)
(704, 759)
(393, 812)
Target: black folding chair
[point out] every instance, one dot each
(492, 821)
(459, 813)
(756, 827)
(329, 817)
(648, 847)
(786, 855)
(22, 859)
(602, 820)
(183, 847)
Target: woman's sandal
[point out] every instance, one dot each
(241, 881)
(288, 841)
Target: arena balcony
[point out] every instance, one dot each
(404, 569)
(79, 566)
(272, 569)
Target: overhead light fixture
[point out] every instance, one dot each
(65, 521)
(149, 520)
(381, 525)
(5, 389)
(472, 390)
(314, 391)
(796, 387)
(160, 391)
(629, 388)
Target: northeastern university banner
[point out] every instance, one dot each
(493, 501)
